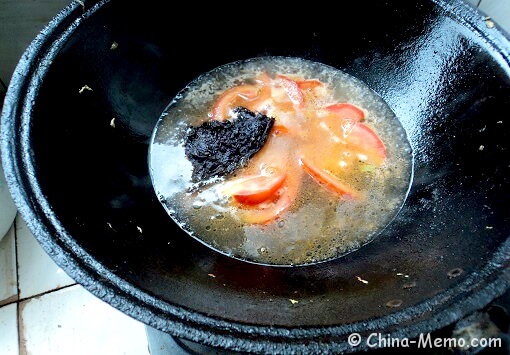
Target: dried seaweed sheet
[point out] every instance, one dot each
(218, 148)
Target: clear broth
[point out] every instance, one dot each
(319, 225)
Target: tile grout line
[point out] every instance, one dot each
(46, 292)
(18, 310)
(19, 299)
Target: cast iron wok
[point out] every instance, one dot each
(87, 93)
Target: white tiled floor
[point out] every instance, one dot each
(37, 272)
(9, 330)
(8, 274)
(73, 310)
(42, 310)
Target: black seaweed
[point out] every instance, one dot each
(218, 148)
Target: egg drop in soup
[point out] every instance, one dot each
(280, 161)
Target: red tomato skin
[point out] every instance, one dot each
(345, 110)
(258, 189)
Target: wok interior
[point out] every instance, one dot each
(447, 86)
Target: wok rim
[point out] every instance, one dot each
(473, 293)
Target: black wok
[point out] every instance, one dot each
(85, 97)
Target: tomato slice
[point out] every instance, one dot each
(270, 210)
(256, 104)
(329, 181)
(309, 84)
(266, 214)
(255, 189)
(347, 111)
(272, 180)
(275, 158)
(292, 88)
(367, 142)
(263, 79)
(232, 98)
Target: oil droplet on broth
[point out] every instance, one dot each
(319, 225)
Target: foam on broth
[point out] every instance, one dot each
(319, 225)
